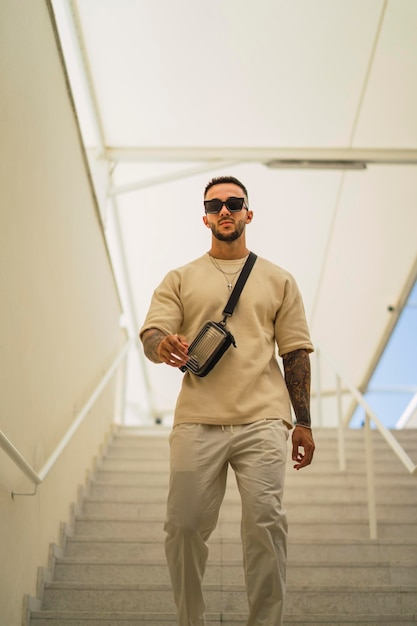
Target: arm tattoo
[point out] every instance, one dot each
(297, 379)
(151, 340)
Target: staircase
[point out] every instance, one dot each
(112, 571)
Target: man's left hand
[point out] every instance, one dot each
(302, 447)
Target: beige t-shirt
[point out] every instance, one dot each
(246, 384)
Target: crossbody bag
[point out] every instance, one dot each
(214, 339)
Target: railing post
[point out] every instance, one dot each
(120, 403)
(124, 388)
(318, 388)
(340, 426)
(370, 479)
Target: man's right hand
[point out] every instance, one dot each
(162, 348)
(173, 350)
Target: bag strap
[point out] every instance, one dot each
(234, 296)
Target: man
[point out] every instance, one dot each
(239, 414)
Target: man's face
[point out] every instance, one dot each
(225, 225)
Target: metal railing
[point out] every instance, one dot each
(370, 417)
(38, 477)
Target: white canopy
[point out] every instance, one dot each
(312, 104)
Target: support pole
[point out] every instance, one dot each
(370, 478)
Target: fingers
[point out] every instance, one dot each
(303, 447)
(173, 350)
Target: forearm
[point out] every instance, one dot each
(151, 340)
(298, 378)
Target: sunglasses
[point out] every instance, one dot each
(233, 204)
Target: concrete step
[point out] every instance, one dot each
(326, 439)
(319, 573)
(120, 493)
(230, 598)
(151, 530)
(323, 471)
(57, 618)
(125, 549)
(350, 620)
(401, 550)
(306, 490)
(325, 453)
(146, 450)
(328, 453)
(160, 477)
(140, 435)
(337, 511)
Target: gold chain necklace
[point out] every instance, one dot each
(227, 274)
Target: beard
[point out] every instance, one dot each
(232, 236)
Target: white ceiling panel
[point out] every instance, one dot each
(229, 73)
(388, 115)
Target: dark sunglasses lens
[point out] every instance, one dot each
(213, 206)
(234, 204)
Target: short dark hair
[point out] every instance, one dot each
(219, 180)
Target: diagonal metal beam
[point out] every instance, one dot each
(117, 190)
(368, 72)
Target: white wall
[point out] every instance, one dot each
(60, 312)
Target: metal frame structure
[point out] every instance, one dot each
(209, 158)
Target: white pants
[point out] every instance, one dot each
(200, 456)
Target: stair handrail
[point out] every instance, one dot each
(38, 477)
(370, 416)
